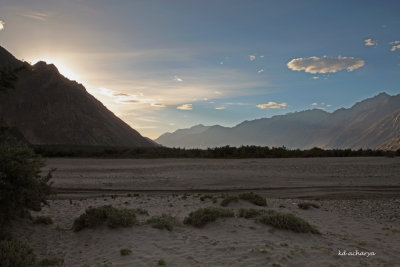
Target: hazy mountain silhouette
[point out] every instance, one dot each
(48, 108)
(372, 123)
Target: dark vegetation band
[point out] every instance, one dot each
(218, 152)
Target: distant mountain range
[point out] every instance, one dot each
(372, 123)
(47, 108)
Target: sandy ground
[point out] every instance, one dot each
(368, 221)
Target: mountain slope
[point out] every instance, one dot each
(47, 108)
(371, 123)
(366, 124)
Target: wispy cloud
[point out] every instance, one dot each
(147, 119)
(395, 45)
(260, 71)
(325, 64)
(252, 57)
(35, 15)
(272, 105)
(185, 107)
(1, 25)
(178, 79)
(220, 107)
(369, 42)
(236, 103)
(122, 98)
(321, 105)
(158, 105)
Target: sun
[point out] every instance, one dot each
(64, 68)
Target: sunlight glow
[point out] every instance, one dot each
(63, 68)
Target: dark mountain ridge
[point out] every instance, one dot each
(48, 108)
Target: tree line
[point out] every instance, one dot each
(218, 152)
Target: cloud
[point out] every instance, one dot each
(129, 101)
(395, 45)
(252, 57)
(122, 98)
(369, 42)
(119, 94)
(35, 15)
(1, 25)
(262, 56)
(260, 71)
(185, 107)
(272, 105)
(147, 119)
(220, 108)
(315, 77)
(325, 64)
(178, 79)
(158, 105)
(321, 105)
(236, 103)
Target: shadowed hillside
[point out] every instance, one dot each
(48, 108)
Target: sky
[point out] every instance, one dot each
(164, 65)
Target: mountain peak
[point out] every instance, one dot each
(44, 65)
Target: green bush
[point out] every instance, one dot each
(113, 217)
(160, 223)
(307, 205)
(51, 262)
(204, 197)
(43, 220)
(15, 253)
(162, 262)
(125, 251)
(203, 216)
(253, 198)
(22, 187)
(287, 221)
(250, 213)
(228, 199)
(141, 211)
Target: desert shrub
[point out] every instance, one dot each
(15, 253)
(253, 198)
(51, 262)
(160, 223)
(141, 211)
(162, 262)
(204, 197)
(307, 205)
(22, 187)
(43, 220)
(228, 199)
(250, 213)
(125, 251)
(287, 221)
(113, 217)
(203, 216)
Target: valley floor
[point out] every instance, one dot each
(358, 197)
